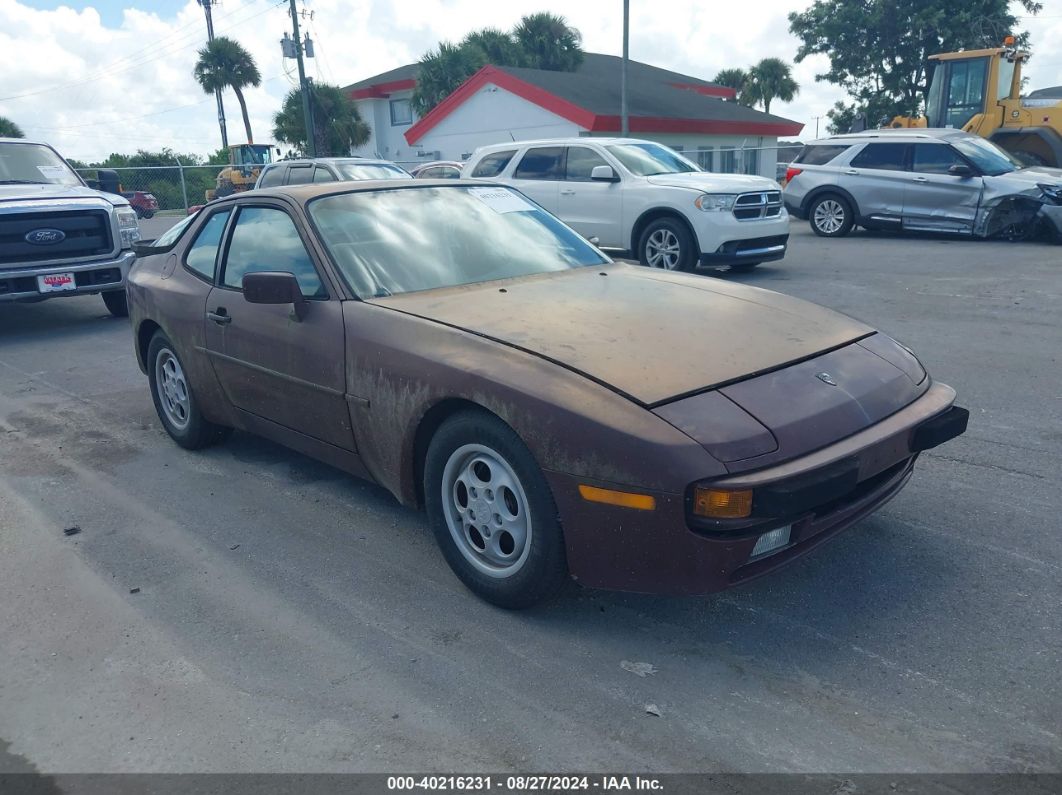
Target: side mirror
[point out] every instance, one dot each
(108, 181)
(274, 287)
(603, 174)
(960, 170)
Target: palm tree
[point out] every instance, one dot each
(549, 42)
(443, 70)
(8, 129)
(498, 46)
(737, 79)
(772, 78)
(224, 63)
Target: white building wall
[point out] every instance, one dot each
(494, 115)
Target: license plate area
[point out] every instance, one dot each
(56, 283)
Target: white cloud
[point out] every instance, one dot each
(97, 89)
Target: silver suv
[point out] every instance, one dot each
(938, 180)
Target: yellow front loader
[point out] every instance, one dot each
(245, 164)
(979, 91)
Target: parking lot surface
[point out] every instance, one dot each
(288, 617)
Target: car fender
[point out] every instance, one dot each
(814, 193)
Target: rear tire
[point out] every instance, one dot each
(667, 244)
(116, 302)
(492, 512)
(148, 214)
(831, 215)
(175, 400)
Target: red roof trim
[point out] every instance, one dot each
(382, 90)
(584, 118)
(708, 91)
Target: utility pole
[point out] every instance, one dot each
(816, 118)
(217, 91)
(624, 120)
(304, 88)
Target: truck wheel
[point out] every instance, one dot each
(667, 244)
(175, 400)
(116, 303)
(147, 214)
(492, 512)
(831, 216)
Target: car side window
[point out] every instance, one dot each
(884, 157)
(265, 239)
(935, 158)
(448, 172)
(299, 175)
(493, 164)
(202, 255)
(272, 177)
(322, 175)
(543, 162)
(581, 162)
(819, 154)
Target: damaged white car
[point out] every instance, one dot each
(928, 180)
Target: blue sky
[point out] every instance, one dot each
(110, 11)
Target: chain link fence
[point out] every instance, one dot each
(162, 190)
(171, 190)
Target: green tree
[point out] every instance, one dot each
(224, 63)
(337, 124)
(499, 48)
(770, 79)
(8, 129)
(442, 71)
(549, 42)
(878, 49)
(737, 79)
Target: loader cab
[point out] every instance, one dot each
(972, 83)
(251, 154)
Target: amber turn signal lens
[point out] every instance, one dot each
(624, 499)
(722, 504)
(1008, 41)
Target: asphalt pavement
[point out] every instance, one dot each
(245, 608)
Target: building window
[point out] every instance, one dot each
(752, 161)
(727, 160)
(401, 112)
(705, 157)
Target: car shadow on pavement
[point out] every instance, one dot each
(57, 318)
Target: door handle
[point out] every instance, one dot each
(852, 172)
(568, 192)
(220, 316)
(921, 179)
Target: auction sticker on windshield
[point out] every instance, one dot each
(52, 172)
(501, 200)
(56, 282)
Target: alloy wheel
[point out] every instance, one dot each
(173, 389)
(829, 216)
(662, 250)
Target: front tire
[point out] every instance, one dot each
(174, 399)
(116, 302)
(492, 512)
(831, 216)
(667, 244)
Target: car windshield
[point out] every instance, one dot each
(647, 160)
(34, 164)
(988, 157)
(371, 171)
(397, 241)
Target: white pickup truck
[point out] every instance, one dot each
(642, 197)
(58, 237)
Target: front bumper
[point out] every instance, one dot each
(90, 277)
(756, 249)
(666, 551)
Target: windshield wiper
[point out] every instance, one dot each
(22, 182)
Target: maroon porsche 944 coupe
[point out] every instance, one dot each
(555, 413)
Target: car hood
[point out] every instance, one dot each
(1026, 177)
(650, 335)
(39, 192)
(715, 183)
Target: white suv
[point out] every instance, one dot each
(642, 197)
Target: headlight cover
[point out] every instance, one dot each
(715, 202)
(128, 226)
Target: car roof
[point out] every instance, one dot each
(309, 191)
(25, 141)
(367, 161)
(903, 135)
(573, 141)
